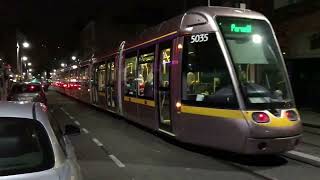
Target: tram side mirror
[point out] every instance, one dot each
(71, 130)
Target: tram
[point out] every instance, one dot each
(214, 77)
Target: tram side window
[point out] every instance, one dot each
(165, 61)
(145, 74)
(206, 80)
(83, 77)
(130, 75)
(101, 76)
(110, 73)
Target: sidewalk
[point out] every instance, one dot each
(310, 118)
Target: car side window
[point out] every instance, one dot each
(58, 133)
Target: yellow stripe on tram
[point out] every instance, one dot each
(224, 113)
(139, 101)
(240, 115)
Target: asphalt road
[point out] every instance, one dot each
(112, 148)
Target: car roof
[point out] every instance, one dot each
(33, 111)
(19, 109)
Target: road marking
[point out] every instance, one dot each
(305, 156)
(95, 140)
(85, 130)
(155, 150)
(62, 109)
(117, 161)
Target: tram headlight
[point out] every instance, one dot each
(260, 117)
(292, 115)
(257, 39)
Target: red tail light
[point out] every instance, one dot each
(64, 85)
(292, 115)
(260, 117)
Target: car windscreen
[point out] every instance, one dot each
(24, 147)
(26, 88)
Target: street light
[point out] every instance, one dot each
(24, 58)
(29, 64)
(30, 70)
(63, 65)
(25, 44)
(19, 63)
(73, 57)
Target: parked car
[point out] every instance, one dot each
(32, 92)
(33, 146)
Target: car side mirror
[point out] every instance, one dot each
(71, 130)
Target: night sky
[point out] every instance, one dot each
(53, 26)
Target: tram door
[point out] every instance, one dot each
(110, 86)
(164, 86)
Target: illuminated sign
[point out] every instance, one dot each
(241, 29)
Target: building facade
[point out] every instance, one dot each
(298, 28)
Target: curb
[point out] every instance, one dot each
(303, 157)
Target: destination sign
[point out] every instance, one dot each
(241, 29)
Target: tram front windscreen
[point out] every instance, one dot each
(257, 62)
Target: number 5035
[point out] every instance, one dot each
(199, 38)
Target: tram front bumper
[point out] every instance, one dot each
(272, 145)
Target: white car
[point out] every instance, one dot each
(32, 145)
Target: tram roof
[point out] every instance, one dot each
(175, 24)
